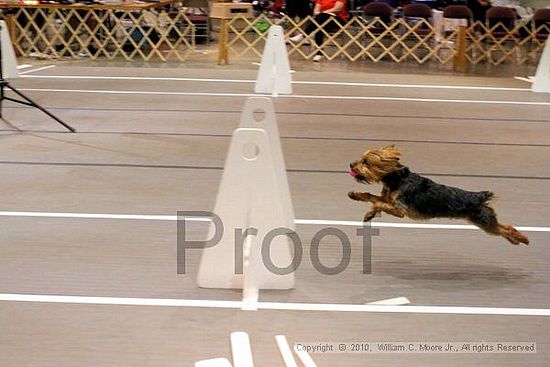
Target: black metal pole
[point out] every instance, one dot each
(27, 101)
(36, 105)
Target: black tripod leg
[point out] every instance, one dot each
(1, 96)
(34, 104)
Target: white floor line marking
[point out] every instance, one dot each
(362, 98)
(423, 86)
(391, 301)
(130, 92)
(277, 306)
(24, 66)
(38, 69)
(142, 78)
(304, 82)
(297, 221)
(98, 216)
(529, 79)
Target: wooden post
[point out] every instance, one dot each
(459, 59)
(225, 12)
(10, 23)
(222, 47)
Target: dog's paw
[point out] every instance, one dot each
(354, 195)
(369, 215)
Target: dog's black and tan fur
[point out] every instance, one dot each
(406, 193)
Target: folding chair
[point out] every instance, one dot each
(540, 29)
(501, 22)
(541, 24)
(418, 27)
(454, 16)
(378, 18)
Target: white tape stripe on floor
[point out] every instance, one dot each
(98, 216)
(38, 69)
(529, 79)
(423, 86)
(9, 297)
(362, 98)
(297, 221)
(304, 82)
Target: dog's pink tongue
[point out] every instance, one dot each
(352, 173)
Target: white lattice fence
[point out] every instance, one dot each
(401, 40)
(110, 33)
(498, 44)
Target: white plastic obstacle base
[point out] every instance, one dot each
(241, 351)
(541, 83)
(9, 63)
(253, 194)
(286, 352)
(274, 73)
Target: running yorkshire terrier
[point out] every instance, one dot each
(406, 193)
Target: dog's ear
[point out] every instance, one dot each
(390, 152)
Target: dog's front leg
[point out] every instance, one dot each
(363, 196)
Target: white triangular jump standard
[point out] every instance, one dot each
(274, 73)
(541, 83)
(259, 113)
(253, 194)
(9, 62)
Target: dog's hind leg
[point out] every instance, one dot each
(512, 234)
(390, 209)
(371, 214)
(486, 219)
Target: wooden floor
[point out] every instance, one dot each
(153, 141)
